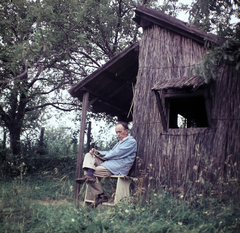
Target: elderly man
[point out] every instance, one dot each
(117, 161)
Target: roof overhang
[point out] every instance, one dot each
(191, 83)
(146, 17)
(111, 86)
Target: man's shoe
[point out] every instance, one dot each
(86, 178)
(99, 200)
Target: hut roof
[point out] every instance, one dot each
(145, 17)
(185, 82)
(110, 86)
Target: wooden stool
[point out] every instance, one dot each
(122, 190)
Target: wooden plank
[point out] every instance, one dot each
(105, 100)
(81, 143)
(122, 189)
(160, 106)
(92, 101)
(89, 135)
(182, 93)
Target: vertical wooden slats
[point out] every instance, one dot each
(182, 154)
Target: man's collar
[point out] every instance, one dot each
(124, 139)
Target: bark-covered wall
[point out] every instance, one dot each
(197, 155)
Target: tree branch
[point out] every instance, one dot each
(29, 109)
(18, 76)
(4, 116)
(87, 56)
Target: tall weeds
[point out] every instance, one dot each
(26, 207)
(43, 202)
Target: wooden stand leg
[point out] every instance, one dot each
(122, 189)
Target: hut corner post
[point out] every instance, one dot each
(81, 143)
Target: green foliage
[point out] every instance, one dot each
(29, 206)
(44, 202)
(107, 144)
(171, 7)
(212, 15)
(60, 146)
(61, 142)
(215, 16)
(227, 53)
(46, 46)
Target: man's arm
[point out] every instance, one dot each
(123, 150)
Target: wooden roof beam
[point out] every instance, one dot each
(78, 86)
(106, 101)
(125, 85)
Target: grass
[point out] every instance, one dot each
(43, 202)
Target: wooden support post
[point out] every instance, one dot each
(81, 143)
(89, 135)
(160, 107)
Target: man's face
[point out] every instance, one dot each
(121, 132)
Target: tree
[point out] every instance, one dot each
(34, 48)
(46, 45)
(215, 16)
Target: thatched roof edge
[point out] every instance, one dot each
(111, 62)
(145, 14)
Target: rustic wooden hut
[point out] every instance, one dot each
(197, 149)
(187, 131)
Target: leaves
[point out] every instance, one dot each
(215, 16)
(48, 45)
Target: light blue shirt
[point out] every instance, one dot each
(120, 159)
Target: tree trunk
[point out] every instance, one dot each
(4, 139)
(15, 132)
(16, 116)
(41, 148)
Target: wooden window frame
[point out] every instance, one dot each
(163, 97)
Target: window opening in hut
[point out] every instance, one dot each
(187, 112)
